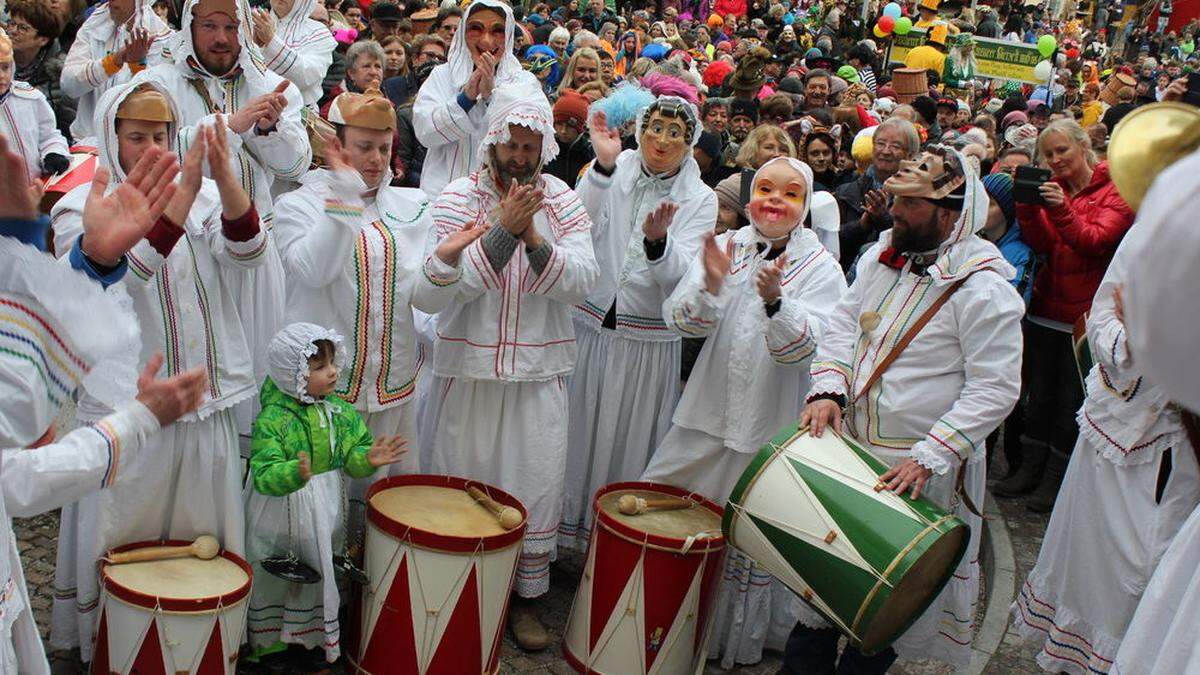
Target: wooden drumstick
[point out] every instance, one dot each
(632, 505)
(509, 517)
(205, 547)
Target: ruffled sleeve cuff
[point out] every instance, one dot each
(931, 459)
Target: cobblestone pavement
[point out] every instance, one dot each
(37, 538)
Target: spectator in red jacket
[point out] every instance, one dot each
(727, 7)
(1076, 231)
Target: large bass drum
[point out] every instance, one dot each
(812, 512)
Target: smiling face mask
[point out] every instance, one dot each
(778, 199)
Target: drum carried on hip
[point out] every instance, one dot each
(812, 512)
(441, 567)
(644, 602)
(81, 170)
(184, 615)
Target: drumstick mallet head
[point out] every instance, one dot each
(205, 547)
(508, 517)
(631, 505)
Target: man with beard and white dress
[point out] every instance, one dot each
(928, 413)
(651, 210)
(450, 113)
(118, 41)
(215, 68)
(497, 408)
(181, 284)
(295, 46)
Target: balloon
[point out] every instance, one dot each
(892, 9)
(886, 24)
(879, 33)
(903, 25)
(1042, 71)
(1046, 45)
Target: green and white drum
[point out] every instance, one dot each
(812, 512)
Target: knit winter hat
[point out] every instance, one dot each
(744, 108)
(999, 186)
(728, 193)
(926, 107)
(1015, 117)
(572, 108)
(710, 144)
(848, 73)
(716, 73)
(791, 85)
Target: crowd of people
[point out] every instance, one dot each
(558, 245)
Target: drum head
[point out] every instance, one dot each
(447, 511)
(181, 578)
(679, 524)
(910, 598)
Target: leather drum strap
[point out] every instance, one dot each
(895, 352)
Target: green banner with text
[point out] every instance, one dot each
(1003, 60)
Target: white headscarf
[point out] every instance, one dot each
(107, 147)
(182, 49)
(58, 331)
(460, 63)
(517, 105)
(299, 28)
(101, 27)
(288, 354)
(804, 170)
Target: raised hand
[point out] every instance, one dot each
(138, 47)
(659, 220)
(387, 451)
(305, 467)
(18, 197)
(276, 104)
(173, 397)
(485, 65)
(716, 263)
(450, 249)
(193, 166)
(518, 206)
(264, 27)
(769, 280)
(114, 223)
(606, 142)
(234, 200)
(336, 157)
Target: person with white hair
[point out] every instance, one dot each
(651, 210)
(497, 412)
(451, 108)
(923, 354)
(118, 40)
(559, 41)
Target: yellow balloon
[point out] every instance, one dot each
(879, 33)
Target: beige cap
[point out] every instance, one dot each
(207, 7)
(368, 110)
(146, 104)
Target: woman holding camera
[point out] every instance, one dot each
(1074, 221)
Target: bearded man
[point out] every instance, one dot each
(498, 405)
(920, 361)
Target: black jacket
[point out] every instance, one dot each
(854, 235)
(571, 160)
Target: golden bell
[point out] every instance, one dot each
(869, 321)
(1147, 141)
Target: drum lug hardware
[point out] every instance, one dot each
(431, 612)
(880, 486)
(831, 536)
(807, 594)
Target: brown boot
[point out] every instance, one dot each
(1027, 478)
(1043, 498)
(528, 631)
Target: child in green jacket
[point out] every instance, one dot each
(303, 440)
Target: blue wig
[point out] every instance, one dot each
(624, 105)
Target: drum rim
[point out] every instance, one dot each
(181, 605)
(674, 544)
(444, 542)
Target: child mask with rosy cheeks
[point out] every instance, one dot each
(779, 198)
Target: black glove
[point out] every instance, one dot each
(54, 164)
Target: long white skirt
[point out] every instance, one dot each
(1162, 635)
(945, 631)
(184, 483)
(753, 609)
(262, 297)
(623, 393)
(1104, 540)
(20, 644)
(512, 435)
(309, 524)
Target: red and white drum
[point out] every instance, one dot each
(441, 568)
(82, 170)
(644, 603)
(171, 616)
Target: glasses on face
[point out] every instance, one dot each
(14, 27)
(432, 56)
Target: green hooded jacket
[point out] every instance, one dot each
(286, 427)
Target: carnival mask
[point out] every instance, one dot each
(664, 142)
(777, 199)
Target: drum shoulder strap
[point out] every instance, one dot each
(908, 337)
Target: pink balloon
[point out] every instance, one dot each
(886, 23)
